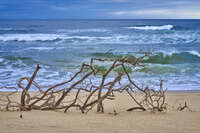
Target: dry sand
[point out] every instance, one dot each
(171, 121)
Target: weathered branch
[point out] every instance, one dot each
(88, 94)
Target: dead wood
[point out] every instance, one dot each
(181, 108)
(87, 94)
(25, 90)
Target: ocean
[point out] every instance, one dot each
(60, 46)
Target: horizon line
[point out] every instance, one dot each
(98, 19)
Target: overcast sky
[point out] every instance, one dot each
(100, 9)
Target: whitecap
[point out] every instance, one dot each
(41, 48)
(1, 59)
(6, 29)
(169, 52)
(195, 53)
(29, 37)
(82, 30)
(135, 38)
(163, 27)
(45, 37)
(14, 29)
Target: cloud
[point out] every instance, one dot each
(162, 13)
(101, 8)
(141, 12)
(181, 3)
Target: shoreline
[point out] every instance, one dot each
(168, 91)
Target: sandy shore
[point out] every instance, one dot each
(170, 121)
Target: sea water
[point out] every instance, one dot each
(60, 46)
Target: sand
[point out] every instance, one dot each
(73, 121)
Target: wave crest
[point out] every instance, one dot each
(56, 37)
(81, 30)
(160, 57)
(174, 58)
(163, 27)
(30, 37)
(16, 30)
(135, 38)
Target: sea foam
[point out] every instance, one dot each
(163, 27)
(195, 53)
(1, 60)
(28, 37)
(134, 38)
(44, 37)
(81, 30)
(57, 37)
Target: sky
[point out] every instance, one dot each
(99, 9)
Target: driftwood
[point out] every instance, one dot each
(181, 108)
(151, 99)
(87, 94)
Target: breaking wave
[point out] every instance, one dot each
(81, 30)
(58, 37)
(160, 57)
(163, 63)
(16, 30)
(16, 60)
(170, 69)
(29, 37)
(175, 58)
(163, 27)
(140, 38)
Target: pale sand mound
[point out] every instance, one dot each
(126, 122)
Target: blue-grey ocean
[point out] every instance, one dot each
(60, 46)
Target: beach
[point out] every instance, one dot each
(169, 121)
(170, 60)
(99, 66)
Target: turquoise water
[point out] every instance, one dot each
(60, 46)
